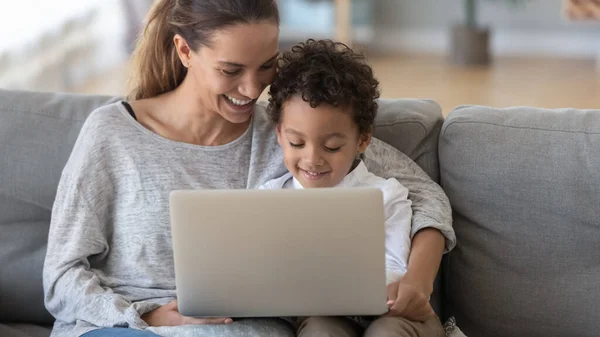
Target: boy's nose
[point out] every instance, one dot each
(314, 161)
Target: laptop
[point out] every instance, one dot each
(265, 253)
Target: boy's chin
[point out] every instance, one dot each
(316, 184)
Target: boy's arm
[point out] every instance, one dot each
(409, 297)
(398, 216)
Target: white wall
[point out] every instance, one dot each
(59, 44)
(534, 28)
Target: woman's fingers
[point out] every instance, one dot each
(206, 321)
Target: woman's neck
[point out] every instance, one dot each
(184, 118)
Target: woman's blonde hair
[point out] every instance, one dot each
(156, 68)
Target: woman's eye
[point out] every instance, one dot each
(230, 73)
(332, 149)
(296, 146)
(267, 66)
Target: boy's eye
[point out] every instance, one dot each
(230, 72)
(296, 146)
(332, 149)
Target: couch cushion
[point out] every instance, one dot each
(24, 330)
(413, 127)
(524, 185)
(37, 132)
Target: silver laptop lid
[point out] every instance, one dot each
(258, 253)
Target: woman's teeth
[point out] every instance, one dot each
(238, 101)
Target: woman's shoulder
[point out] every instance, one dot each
(107, 116)
(107, 121)
(97, 133)
(382, 158)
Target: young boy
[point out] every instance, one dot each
(324, 105)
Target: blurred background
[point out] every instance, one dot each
(543, 53)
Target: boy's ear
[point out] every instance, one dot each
(364, 140)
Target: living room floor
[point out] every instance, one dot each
(540, 82)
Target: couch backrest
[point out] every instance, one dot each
(412, 126)
(524, 185)
(37, 132)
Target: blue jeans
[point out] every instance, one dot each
(119, 332)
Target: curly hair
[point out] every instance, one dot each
(326, 72)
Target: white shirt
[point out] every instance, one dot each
(397, 209)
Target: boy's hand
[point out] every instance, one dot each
(407, 300)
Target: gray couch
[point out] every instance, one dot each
(524, 185)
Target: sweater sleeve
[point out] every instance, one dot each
(78, 239)
(72, 290)
(430, 205)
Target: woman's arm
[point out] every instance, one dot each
(77, 273)
(431, 230)
(78, 233)
(72, 290)
(425, 257)
(430, 205)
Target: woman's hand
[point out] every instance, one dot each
(409, 300)
(168, 315)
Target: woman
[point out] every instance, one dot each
(192, 123)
